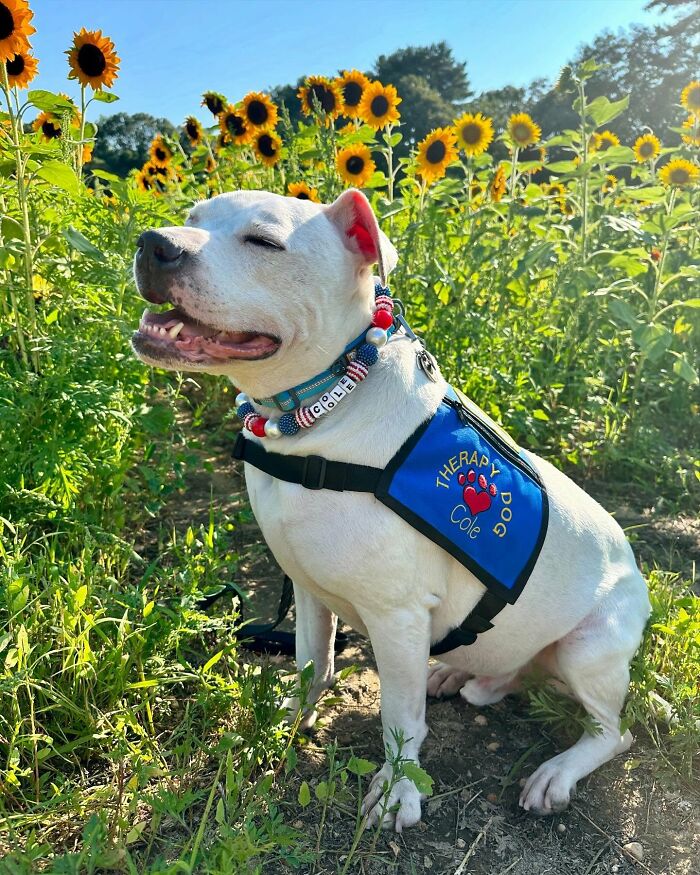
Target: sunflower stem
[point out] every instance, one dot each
(390, 161)
(26, 228)
(584, 158)
(82, 132)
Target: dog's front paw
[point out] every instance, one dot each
(549, 789)
(292, 706)
(400, 809)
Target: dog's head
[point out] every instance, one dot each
(265, 289)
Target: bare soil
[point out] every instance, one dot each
(472, 823)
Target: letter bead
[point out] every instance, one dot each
(327, 401)
(317, 410)
(347, 384)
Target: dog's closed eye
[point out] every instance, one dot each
(264, 242)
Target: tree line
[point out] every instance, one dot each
(651, 64)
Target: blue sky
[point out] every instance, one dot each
(173, 50)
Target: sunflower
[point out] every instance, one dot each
(690, 97)
(352, 85)
(214, 102)
(303, 192)
(679, 173)
(259, 112)
(646, 148)
(86, 153)
(15, 28)
(233, 126)
(355, 164)
(143, 181)
(48, 125)
(610, 183)
(153, 170)
(523, 131)
(267, 146)
(324, 91)
(21, 70)
(160, 152)
(193, 130)
(474, 132)
(210, 164)
(475, 189)
(435, 153)
(378, 105)
(497, 186)
(92, 59)
(554, 189)
(601, 142)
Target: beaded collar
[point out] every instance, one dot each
(351, 367)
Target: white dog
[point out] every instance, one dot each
(268, 291)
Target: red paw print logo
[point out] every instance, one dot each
(477, 501)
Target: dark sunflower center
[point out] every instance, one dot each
(355, 165)
(646, 149)
(436, 152)
(352, 92)
(192, 130)
(266, 145)
(50, 130)
(91, 60)
(7, 22)
(324, 96)
(235, 125)
(161, 154)
(521, 132)
(258, 112)
(471, 133)
(302, 196)
(605, 144)
(679, 176)
(379, 106)
(694, 98)
(15, 66)
(214, 104)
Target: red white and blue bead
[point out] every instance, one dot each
(356, 371)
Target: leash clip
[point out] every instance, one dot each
(427, 364)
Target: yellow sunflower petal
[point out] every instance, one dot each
(435, 153)
(92, 59)
(474, 133)
(690, 97)
(303, 192)
(355, 165)
(646, 148)
(378, 105)
(352, 85)
(160, 152)
(523, 131)
(679, 173)
(233, 126)
(21, 70)
(259, 112)
(321, 90)
(268, 147)
(15, 28)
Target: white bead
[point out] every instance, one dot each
(337, 392)
(242, 398)
(377, 337)
(346, 383)
(327, 401)
(272, 429)
(317, 409)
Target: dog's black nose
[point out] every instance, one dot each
(156, 251)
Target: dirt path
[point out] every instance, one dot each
(472, 824)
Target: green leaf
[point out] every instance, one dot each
(562, 166)
(359, 766)
(210, 663)
(105, 96)
(614, 156)
(622, 311)
(304, 796)
(47, 101)
(322, 790)
(653, 340)
(82, 244)
(61, 175)
(685, 370)
(81, 596)
(422, 780)
(602, 110)
(652, 193)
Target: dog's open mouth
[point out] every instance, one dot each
(173, 334)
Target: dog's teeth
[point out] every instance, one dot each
(162, 331)
(176, 329)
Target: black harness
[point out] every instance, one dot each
(316, 472)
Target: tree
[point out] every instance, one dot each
(123, 140)
(435, 64)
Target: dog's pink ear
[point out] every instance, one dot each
(353, 216)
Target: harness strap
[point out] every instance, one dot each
(316, 472)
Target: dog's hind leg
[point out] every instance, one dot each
(315, 637)
(593, 660)
(445, 680)
(480, 691)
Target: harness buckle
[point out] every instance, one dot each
(314, 473)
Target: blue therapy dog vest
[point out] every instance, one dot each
(459, 480)
(468, 488)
